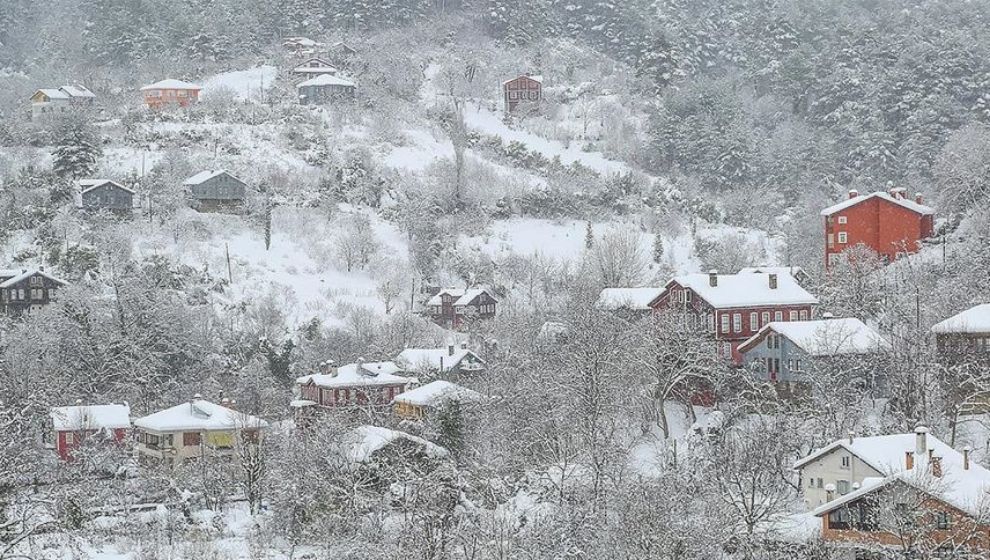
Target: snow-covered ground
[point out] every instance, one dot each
(246, 85)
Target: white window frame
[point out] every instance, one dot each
(792, 316)
(778, 316)
(843, 238)
(843, 220)
(724, 321)
(754, 321)
(736, 322)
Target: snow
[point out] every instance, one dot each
(89, 184)
(746, 290)
(130, 161)
(326, 80)
(171, 84)
(77, 91)
(367, 440)
(198, 415)
(779, 270)
(909, 204)
(628, 298)
(361, 374)
(91, 417)
(55, 93)
(975, 320)
(825, 337)
(490, 122)
(440, 359)
(247, 85)
(204, 176)
(885, 453)
(437, 393)
(20, 275)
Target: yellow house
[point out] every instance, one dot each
(417, 403)
(194, 429)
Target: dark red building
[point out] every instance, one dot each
(524, 92)
(452, 308)
(887, 222)
(72, 425)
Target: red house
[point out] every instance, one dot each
(372, 384)
(170, 92)
(734, 307)
(887, 222)
(452, 307)
(71, 425)
(523, 92)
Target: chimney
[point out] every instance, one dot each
(936, 465)
(829, 492)
(909, 460)
(966, 451)
(450, 349)
(852, 436)
(773, 281)
(853, 193)
(918, 198)
(713, 278)
(920, 441)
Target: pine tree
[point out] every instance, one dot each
(657, 248)
(76, 154)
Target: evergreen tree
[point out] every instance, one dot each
(77, 153)
(657, 248)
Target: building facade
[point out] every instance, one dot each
(26, 290)
(522, 93)
(50, 102)
(216, 191)
(454, 308)
(73, 425)
(166, 93)
(104, 194)
(325, 88)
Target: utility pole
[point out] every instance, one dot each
(230, 277)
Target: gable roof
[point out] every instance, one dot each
(327, 80)
(198, 415)
(536, 78)
(885, 454)
(171, 84)
(904, 202)
(87, 185)
(322, 67)
(91, 417)
(745, 290)
(22, 274)
(824, 337)
(361, 374)
(464, 296)
(77, 91)
(66, 92)
(973, 320)
(204, 176)
(638, 299)
(437, 393)
(440, 359)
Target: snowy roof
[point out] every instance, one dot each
(973, 320)
(965, 489)
(628, 298)
(824, 337)
(905, 202)
(171, 84)
(440, 359)
(326, 80)
(77, 91)
(87, 185)
(204, 176)
(198, 415)
(91, 417)
(792, 270)
(366, 440)
(464, 297)
(746, 290)
(301, 41)
(437, 393)
(321, 67)
(535, 78)
(12, 277)
(360, 375)
(54, 93)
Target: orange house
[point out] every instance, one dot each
(170, 92)
(887, 222)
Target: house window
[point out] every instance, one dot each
(725, 322)
(754, 321)
(36, 280)
(711, 322)
(845, 462)
(20, 294)
(687, 295)
(842, 486)
(804, 314)
(190, 439)
(820, 483)
(37, 293)
(843, 219)
(778, 316)
(770, 341)
(769, 365)
(766, 317)
(70, 438)
(776, 364)
(793, 316)
(790, 365)
(843, 237)
(942, 521)
(797, 365)
(831, 239)
(736, 322)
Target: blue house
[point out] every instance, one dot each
(789, 351)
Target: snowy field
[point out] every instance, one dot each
(246, 85)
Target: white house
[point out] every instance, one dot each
(451, 359)
(53, 101)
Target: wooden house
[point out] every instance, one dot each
(734, 307)
(25, 290)
(453, 360)
(523, 93)
(314, 67)
(888, 223)
(195, 429)
(301, 45)
(895, 490)
(419, 403)
(964, 335)
(325, 88)
(170, 92)
(94, 424)
(216, 191)
(788, 352)
(104, 194)
(453, 308)
(361, 384)
(57, 101)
